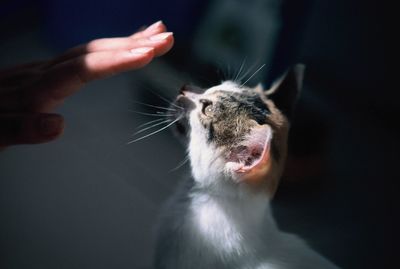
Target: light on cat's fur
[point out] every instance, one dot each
(220, 217)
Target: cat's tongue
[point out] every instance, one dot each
(251, 157)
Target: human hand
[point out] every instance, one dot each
(28, 93)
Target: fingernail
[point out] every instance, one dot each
(140, 51)
(154, 25)
(161, 36)
(50, 125)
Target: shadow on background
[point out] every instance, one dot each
(343, 145)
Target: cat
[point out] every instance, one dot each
(220, 218)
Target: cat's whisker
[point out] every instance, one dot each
(155, 132)
(149, 122)
(152, 126)
(157, 114)
(240, 70)
(153, 106)
(251, 68)
(258, 70)
(166, 100)
(181, 163)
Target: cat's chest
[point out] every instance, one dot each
(225, 226)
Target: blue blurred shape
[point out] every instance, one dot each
(68, 23)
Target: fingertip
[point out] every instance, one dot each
(142, 51)
(141, 57)
(166, 46)
(158, 26)
(155, 28)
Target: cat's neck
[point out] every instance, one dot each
(217, 200)
(233, 206)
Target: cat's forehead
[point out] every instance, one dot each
(227, 86)
(228, 89)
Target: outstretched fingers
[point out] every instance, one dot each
(66, 78)
(102, 64)
(154, 36)
(29, 128)
(30, 92)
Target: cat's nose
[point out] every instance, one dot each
(191, 95)
(190, 89)
(183, 89)
(185, 102)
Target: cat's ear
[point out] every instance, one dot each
(285, 90)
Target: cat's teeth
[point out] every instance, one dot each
(234, 166)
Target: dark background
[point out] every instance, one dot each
(89, 200)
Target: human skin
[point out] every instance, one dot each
(29, 93)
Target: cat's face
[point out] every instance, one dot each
(236, 135)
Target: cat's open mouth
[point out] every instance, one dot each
(252, 154)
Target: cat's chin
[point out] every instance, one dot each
(251, 160)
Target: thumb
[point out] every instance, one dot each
(29, 128)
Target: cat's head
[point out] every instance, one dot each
(238, 134)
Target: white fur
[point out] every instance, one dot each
(228, 228)
(225, 86)
(213, 222)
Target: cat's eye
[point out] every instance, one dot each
(207, 108)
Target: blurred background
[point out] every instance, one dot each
(89, 200)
